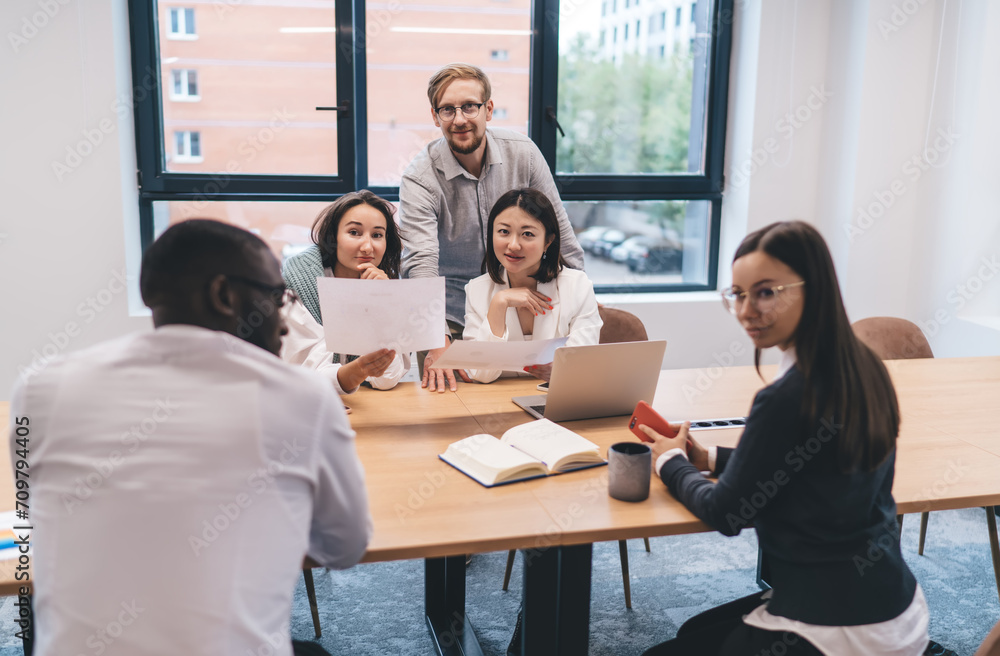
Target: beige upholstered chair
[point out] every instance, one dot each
(898, 339)
(619, 326)
(892, 338)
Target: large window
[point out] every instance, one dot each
(270, 109)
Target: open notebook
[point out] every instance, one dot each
(531, 450)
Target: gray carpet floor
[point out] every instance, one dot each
(376, 610)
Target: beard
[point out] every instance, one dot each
(259, 326)
(468, 149)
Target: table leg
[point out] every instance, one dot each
(557, 601)
(444, 603)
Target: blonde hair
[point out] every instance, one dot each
(452, 72)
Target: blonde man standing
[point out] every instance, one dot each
(448, 189)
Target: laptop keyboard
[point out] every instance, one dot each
(540, 409)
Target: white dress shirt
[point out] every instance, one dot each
(305, 344)
(178, 477)
(574, 314)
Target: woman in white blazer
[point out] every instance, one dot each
(528, 292)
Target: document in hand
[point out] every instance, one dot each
(508, 356)
(361, 316)
(531, 450)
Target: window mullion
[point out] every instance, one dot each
(350, 19)
(544, 77)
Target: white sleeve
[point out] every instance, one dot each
(305, 345)
(396, 370)
(585, 327)
(477, 328)
(667, 455)
(341, 521)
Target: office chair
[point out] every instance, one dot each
(991, 644)
(898, 339)
(619, 326)
(307, 567)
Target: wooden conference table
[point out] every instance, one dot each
(948, 457)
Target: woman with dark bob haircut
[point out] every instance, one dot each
(816, 460)
(355, 237)
(527, 291)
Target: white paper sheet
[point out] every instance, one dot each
(361, 316)
(509, 356)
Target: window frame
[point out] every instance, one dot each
(183, 75)
(157, 184)
(707, 186)
(183, 35)
(189, 138)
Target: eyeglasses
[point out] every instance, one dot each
(280, 294)
(447, 112)
(763, 299)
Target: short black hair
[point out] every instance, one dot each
(538, 206)
(190, 253)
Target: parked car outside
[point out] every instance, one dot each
(657, 256)
(637, 244)
(609, 240)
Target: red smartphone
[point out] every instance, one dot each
(644, 414)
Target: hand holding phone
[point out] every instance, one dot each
(644, 414)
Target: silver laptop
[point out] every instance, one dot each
(603, 380)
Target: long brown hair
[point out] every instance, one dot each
(324, 230)
(845, 382)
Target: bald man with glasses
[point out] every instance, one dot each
(448, 189)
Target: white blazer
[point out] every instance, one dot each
(574, 314)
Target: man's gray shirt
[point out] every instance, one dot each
(444, 210)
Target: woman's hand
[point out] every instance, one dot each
(521, 297)
(697, 454)
(372, 364)
(543, 371)
(371, 272)
(661, 444)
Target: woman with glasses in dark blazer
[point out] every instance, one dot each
(812, 473)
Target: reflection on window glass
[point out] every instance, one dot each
(250, 82)
(647, 119)
(643, 242)
(286, 227)
(406, 43)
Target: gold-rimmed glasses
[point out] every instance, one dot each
(763, 299)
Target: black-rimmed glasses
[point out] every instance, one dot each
(448, 112)
(280, 294)
(763, 299)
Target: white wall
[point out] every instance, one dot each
(64, 236)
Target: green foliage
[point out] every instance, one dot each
(629, 117)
